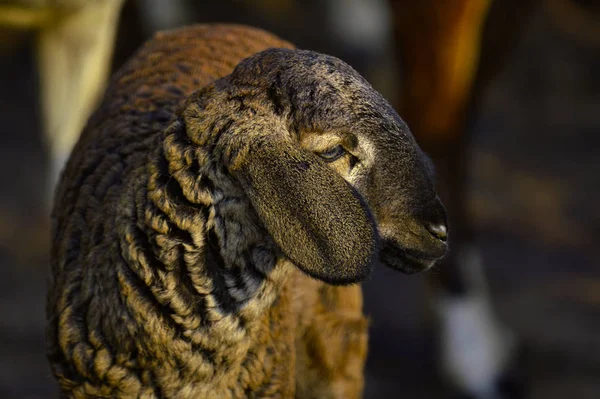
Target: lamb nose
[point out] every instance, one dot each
(439, 231)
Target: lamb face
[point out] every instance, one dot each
(330, 168)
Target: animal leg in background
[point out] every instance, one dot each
(74, 53)
(440, 48)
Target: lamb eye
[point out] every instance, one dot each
(333, 154)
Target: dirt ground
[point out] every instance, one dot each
(535, 190)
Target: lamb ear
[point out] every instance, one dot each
(319, 221)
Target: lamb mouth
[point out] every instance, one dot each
(407, 261)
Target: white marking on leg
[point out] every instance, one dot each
(475, 346)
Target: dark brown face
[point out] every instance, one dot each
(333, 172)
(394, 177)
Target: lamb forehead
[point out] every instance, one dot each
(326, 92)
(299, 67)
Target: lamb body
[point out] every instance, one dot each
(205, 241)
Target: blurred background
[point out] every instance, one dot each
(533, 172)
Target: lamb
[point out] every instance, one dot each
(216, 216)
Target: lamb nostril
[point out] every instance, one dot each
(439, 231)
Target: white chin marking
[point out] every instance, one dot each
(475, 346)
